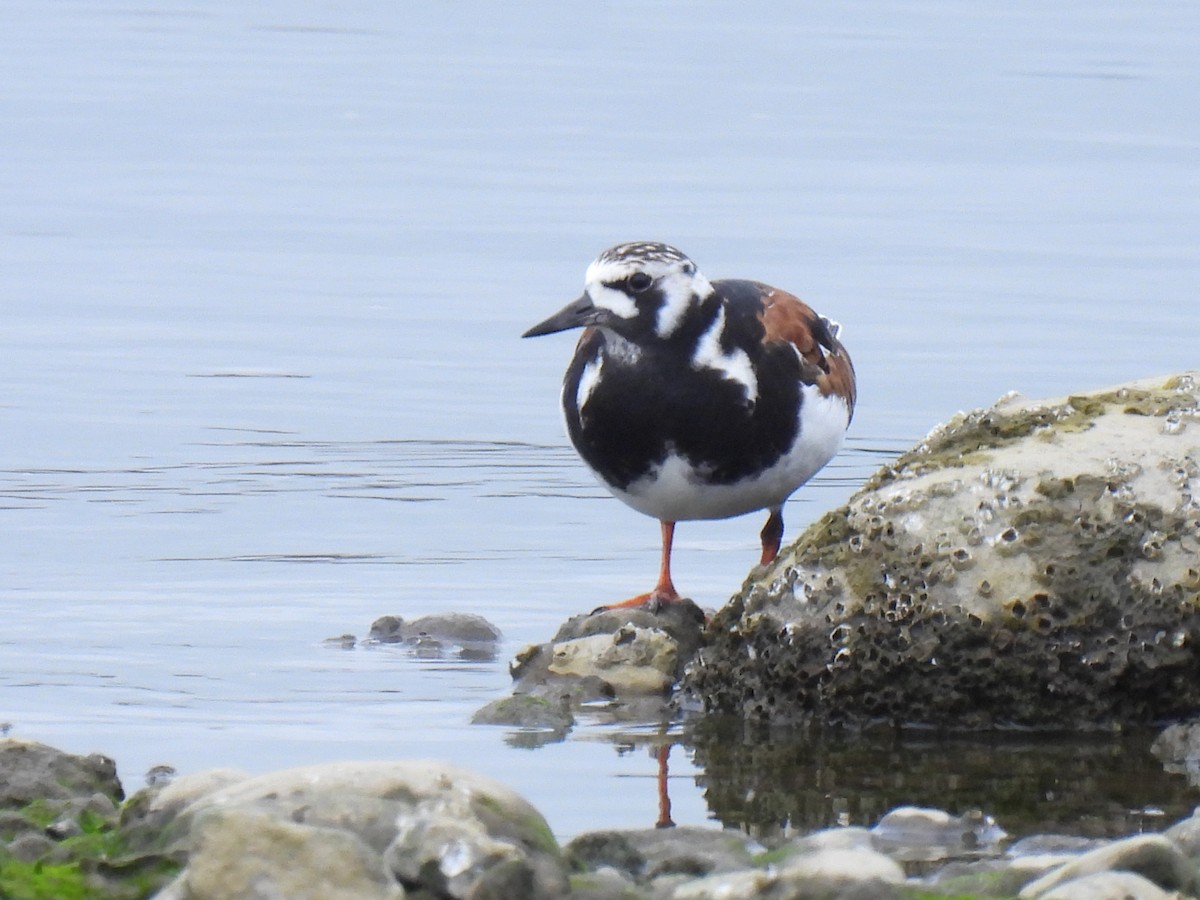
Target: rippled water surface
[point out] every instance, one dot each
(262, 272)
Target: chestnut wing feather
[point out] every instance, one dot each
(823, 360)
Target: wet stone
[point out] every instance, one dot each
(526, 711)
(1179, 749)
(911, 834)
(633, 656)
(1110, 886)
(1154, 857)
(684, 851)
(1186, 834)
(843, 868)
(464, 635)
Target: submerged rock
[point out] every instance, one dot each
(439, 635)
(1034, 564)
(1179, 749)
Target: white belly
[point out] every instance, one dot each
(676, 491)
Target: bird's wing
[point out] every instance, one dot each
(823, 360)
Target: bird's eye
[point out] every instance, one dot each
(639, 281)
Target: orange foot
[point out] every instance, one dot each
(664, 592)
(652, 601)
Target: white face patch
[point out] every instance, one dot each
(616, 302)
(679, 291)
(676, 278)
(734, 365)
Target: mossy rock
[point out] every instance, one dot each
(1028, 565)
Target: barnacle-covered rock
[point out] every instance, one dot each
(1034, 564)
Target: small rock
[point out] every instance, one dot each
(160, 775)
(850, 837)
(630, 655)
(461, 629)
(1178, 746)
(633, 660)
(1109, 886)
(13, 822)
(1186, 834)
(652, 853)
(1151, 855)
(683, 621)
(526, 711)
(604, 883)
(612, 850)
(66, 827)
(1054, 845)
(911, 834)
(30, 847)
(341, 642)
(843, 866)
(747, 884)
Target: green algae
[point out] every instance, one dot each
(92, 866)
(93, 863)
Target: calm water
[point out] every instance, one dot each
(263, 268)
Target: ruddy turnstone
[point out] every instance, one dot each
(692, 399)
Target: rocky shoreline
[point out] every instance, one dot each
(1029, 566)
(420, 829)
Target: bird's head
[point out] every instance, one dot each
(641, 291)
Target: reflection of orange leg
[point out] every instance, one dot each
(664, 591)
(772, 536)
(664, 798)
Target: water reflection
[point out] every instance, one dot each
(777, 784)
(773, 784)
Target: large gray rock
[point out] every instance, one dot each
(365, 829)
(1033, 564)
(32, 771)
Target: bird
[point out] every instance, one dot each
(690, 399)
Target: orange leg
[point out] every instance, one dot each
(664, 591)
(772, 536)
(664, 798)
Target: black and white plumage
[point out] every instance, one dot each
(692, 399)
